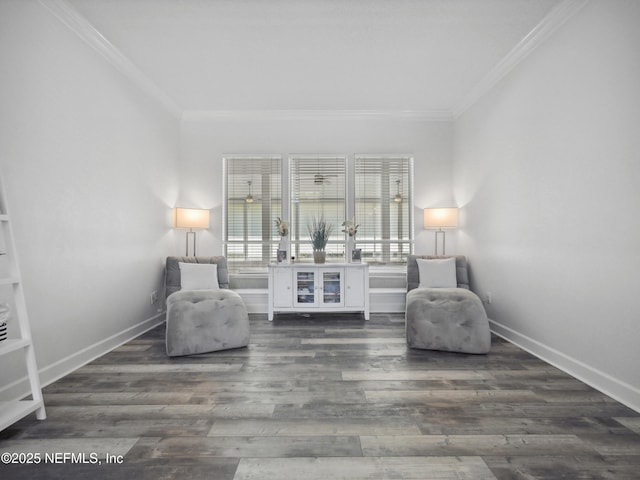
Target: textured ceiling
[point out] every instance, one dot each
(372, 55)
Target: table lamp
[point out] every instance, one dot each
(439, 218)
(190, 218)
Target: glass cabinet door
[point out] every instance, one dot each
(332, 287)
(305, 287)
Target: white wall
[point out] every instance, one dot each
(206, 139)
(90, 168)
(547, 170)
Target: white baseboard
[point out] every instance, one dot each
(255, 299)
(611, 386)
(49, 374)
(387, 300)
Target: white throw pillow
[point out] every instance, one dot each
(198, 276)
(437, 273)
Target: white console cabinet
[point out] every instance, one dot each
(327, 287)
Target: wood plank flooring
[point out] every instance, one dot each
(325, 397)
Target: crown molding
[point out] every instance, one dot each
(79, 25)
(549, 24)
(443, 115)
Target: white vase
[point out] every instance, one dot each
(284, 246)
(351, 244)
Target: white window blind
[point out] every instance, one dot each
(384, 207)
(253, 202)
(318, 190)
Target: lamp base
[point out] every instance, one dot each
(443, 241)
(192, 233)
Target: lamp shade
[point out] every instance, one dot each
(190, 218)
(440, 217)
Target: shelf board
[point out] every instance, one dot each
(11, 345)
(11, 412)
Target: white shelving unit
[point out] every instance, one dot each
(11, 412)
(338, 287)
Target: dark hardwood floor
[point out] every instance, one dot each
(324, 397)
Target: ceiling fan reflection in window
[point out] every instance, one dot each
(321, 179)
(249, 198)
(313, 186)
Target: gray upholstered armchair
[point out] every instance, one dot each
(203, 315)
(447, 317)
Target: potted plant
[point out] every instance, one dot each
(283, 231)
(319, 232)
(350, 228)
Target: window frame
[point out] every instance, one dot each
(287, 209)
(407, 192)
(269, 241)
(335, 246)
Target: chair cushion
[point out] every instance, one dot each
(200, 321)
(450, 319)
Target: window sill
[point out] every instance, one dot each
(374, 270)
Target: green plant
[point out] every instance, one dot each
(319, 232)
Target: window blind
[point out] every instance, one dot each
(253, 194)
(383, 205)
(318, 190)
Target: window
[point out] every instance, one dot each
(318, 187)
(253, 202)
(383, 200)
(375, 190)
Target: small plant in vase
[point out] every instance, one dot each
(319, 232)
(350, 228)
(283, 231)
